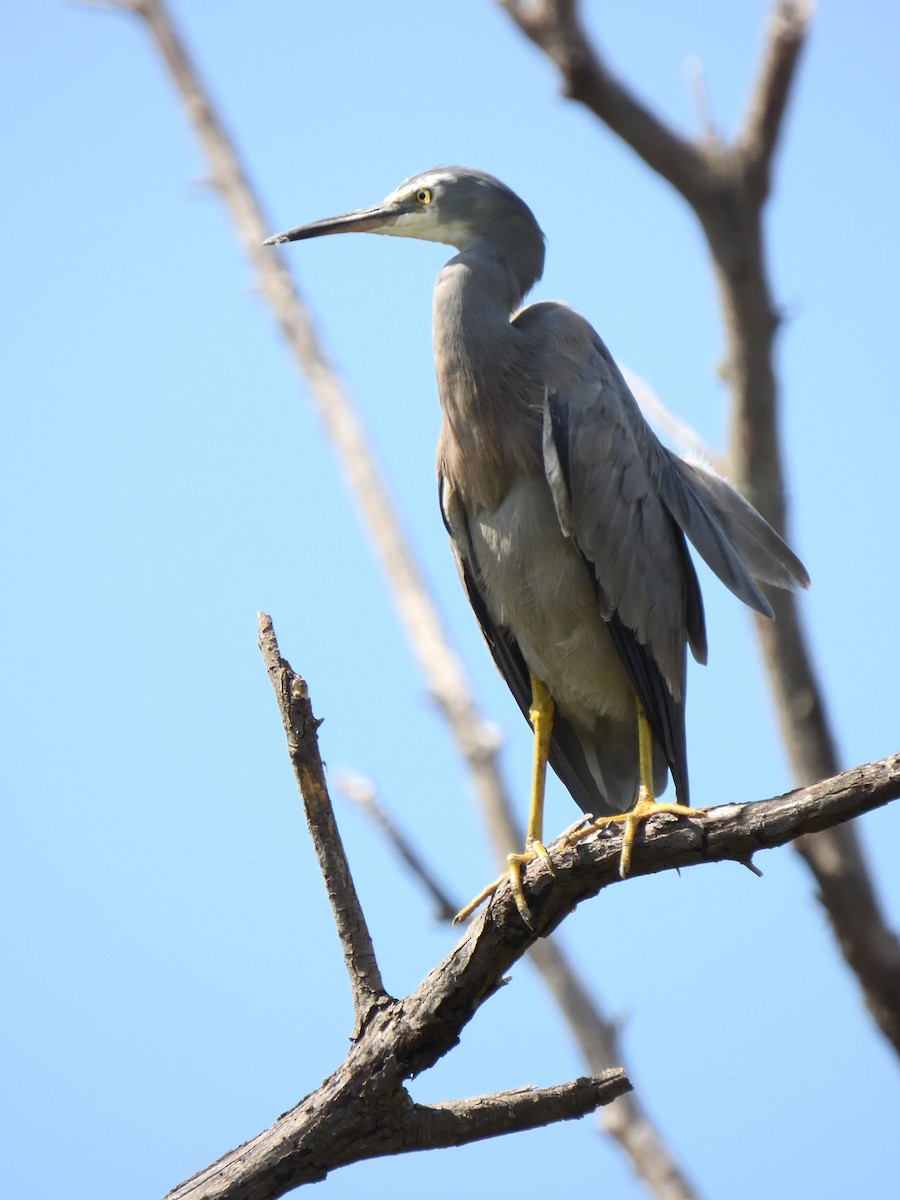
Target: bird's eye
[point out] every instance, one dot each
(424, 195)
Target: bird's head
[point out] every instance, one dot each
(454, 205)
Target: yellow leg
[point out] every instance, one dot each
(541, 715)
(646, 805)
(645, 750)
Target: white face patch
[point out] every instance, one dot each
(425, 225)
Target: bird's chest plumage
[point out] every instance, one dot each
(536, 583)
(491, 396)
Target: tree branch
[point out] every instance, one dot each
(555, 28)
(459, 1122)
(626, 1119)
(361, 792)
(871, 949)
(727, 186)
(300, 728)
(729, 832)
(758, 139)
(363, 1110)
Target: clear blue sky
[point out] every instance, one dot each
(173, 981)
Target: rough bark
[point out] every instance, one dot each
(363, 1109)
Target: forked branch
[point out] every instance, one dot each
(363, 1109)
(727, 184)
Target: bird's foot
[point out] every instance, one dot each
(645, 808)
(515, 863)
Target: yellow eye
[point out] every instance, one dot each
(424, 195)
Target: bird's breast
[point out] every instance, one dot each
(536, 585)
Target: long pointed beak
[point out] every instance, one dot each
(381, 218)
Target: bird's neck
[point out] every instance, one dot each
(490, 399)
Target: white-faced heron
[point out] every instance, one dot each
(566, 515)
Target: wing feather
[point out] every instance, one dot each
(647, 590)
(729, 534)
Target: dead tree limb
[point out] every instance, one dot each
(362, 793)
(363, 1109)
(625, 1119)
(300, 728)
(727, 185)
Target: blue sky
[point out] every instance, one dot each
(173, 979)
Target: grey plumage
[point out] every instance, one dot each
(566, 515)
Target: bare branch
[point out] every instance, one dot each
(363, 1110)
(459, 1122)
(727, 186)
(300, 728)
(872, 951)
(696, 80)
(554, 26)
(625, 1119)
(757, 141)
(728, 832)
(362, 793)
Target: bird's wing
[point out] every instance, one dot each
(729, 534)
(600, 460)
(646, 587)
(503, 647)
(627, 502)
(733, 539)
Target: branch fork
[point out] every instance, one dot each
(363, 1109)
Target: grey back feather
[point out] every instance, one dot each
(596, 438)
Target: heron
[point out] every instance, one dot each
(566, 515)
